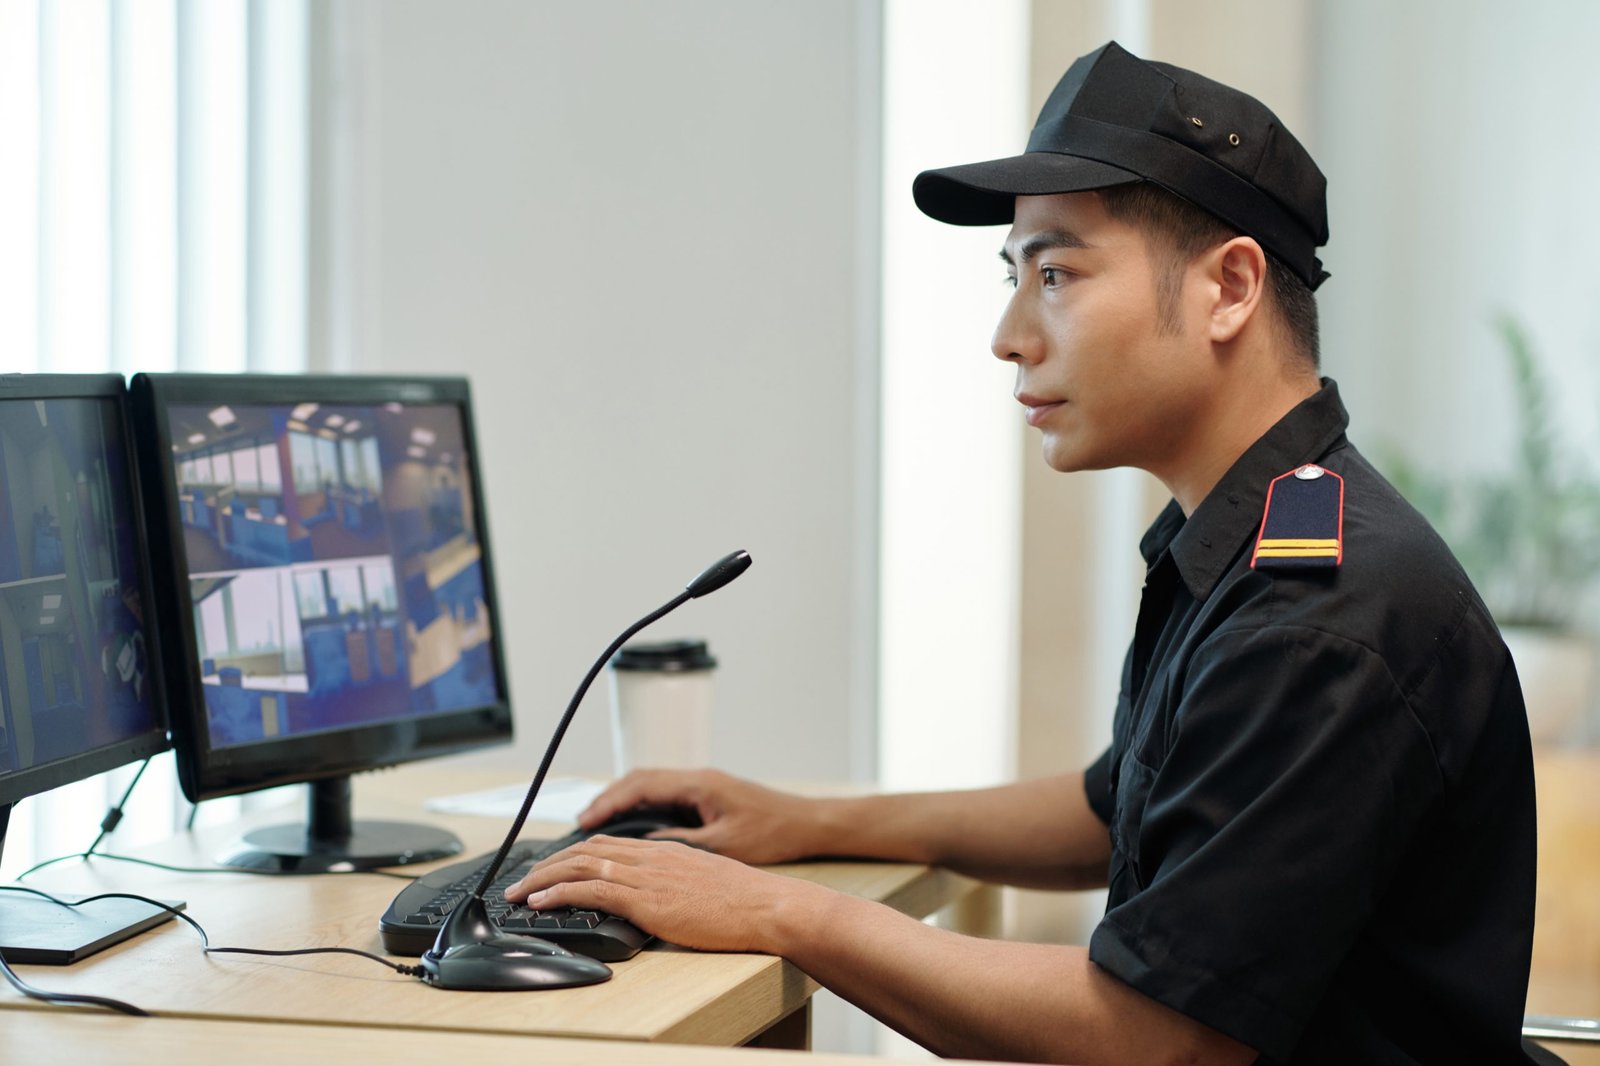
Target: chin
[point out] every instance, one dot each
(1062, 457)
(1062, 460)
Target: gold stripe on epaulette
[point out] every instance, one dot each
(1296, 553)
(1293, 542)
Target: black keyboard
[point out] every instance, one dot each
(411, 924)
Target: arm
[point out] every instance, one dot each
(958, 995)
(1033, 834)
(954, 994)
(1037, 834)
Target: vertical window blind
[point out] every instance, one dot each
(153, 216)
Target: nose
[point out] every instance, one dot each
(1016, 338)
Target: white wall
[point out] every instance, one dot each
(1460, 185)
(646, 232)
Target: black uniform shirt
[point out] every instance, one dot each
(1320, 785)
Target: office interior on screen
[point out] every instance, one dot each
(334, 565)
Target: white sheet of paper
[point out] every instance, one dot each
(560, 800)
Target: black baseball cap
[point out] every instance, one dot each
(1115, 119)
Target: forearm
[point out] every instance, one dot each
(963, 996)
(955, 994)
(1038, 834)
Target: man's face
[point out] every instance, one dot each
(1105, 380)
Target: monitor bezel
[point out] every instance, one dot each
(34, 780)
(205, 772)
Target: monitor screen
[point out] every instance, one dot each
(330, 591)
(77, 658)
(334, 566)
(80, 688)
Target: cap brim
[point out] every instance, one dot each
(984, 194)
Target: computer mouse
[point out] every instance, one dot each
(642, 821)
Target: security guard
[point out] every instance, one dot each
(1316, 817)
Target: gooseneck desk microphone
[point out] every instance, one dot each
(471, 953)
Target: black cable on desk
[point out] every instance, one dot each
(205, 945)
(33, 992)
(211, 869)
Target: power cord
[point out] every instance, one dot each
(113, 818)
(108, 825)
(205, 945)
(86, 855)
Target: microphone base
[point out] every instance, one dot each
(472, 954)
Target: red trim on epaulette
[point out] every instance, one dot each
(1340, 557)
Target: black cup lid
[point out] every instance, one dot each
(668, 656)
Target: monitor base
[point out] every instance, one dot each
(292, 848)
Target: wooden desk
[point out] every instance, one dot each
(663, 994)
(1566, 932)
(44, 1038)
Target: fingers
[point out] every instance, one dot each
(612, 860)
(702, 837)
(584, 895)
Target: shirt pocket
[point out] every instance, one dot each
(1133, 794)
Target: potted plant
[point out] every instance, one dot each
(1530, 540)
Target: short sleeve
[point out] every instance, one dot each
(1097, 786)
(1261, 830)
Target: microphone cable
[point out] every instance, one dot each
(33, 992)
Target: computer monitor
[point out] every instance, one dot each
(79, 690)
(324, 582)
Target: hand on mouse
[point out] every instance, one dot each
(740, 819)
(681, 894)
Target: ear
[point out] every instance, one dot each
(1238, 269)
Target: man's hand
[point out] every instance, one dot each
(956, 995)
(684, 895)
(741, 820)
(1036, 834)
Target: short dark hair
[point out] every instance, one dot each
(1182, 230)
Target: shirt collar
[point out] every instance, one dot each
(1204, 546)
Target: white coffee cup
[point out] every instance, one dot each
(661, 705)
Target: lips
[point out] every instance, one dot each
(1039, 407)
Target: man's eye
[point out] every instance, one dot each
(1009, 281)
(1050, 277)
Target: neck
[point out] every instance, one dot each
(1237, 414)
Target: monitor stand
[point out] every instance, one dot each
(330, 841)
(35, 930)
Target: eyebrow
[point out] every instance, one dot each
(1044, 242)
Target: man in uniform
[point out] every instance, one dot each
(1315, 819)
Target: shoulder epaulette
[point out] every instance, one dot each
(1303, 524)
